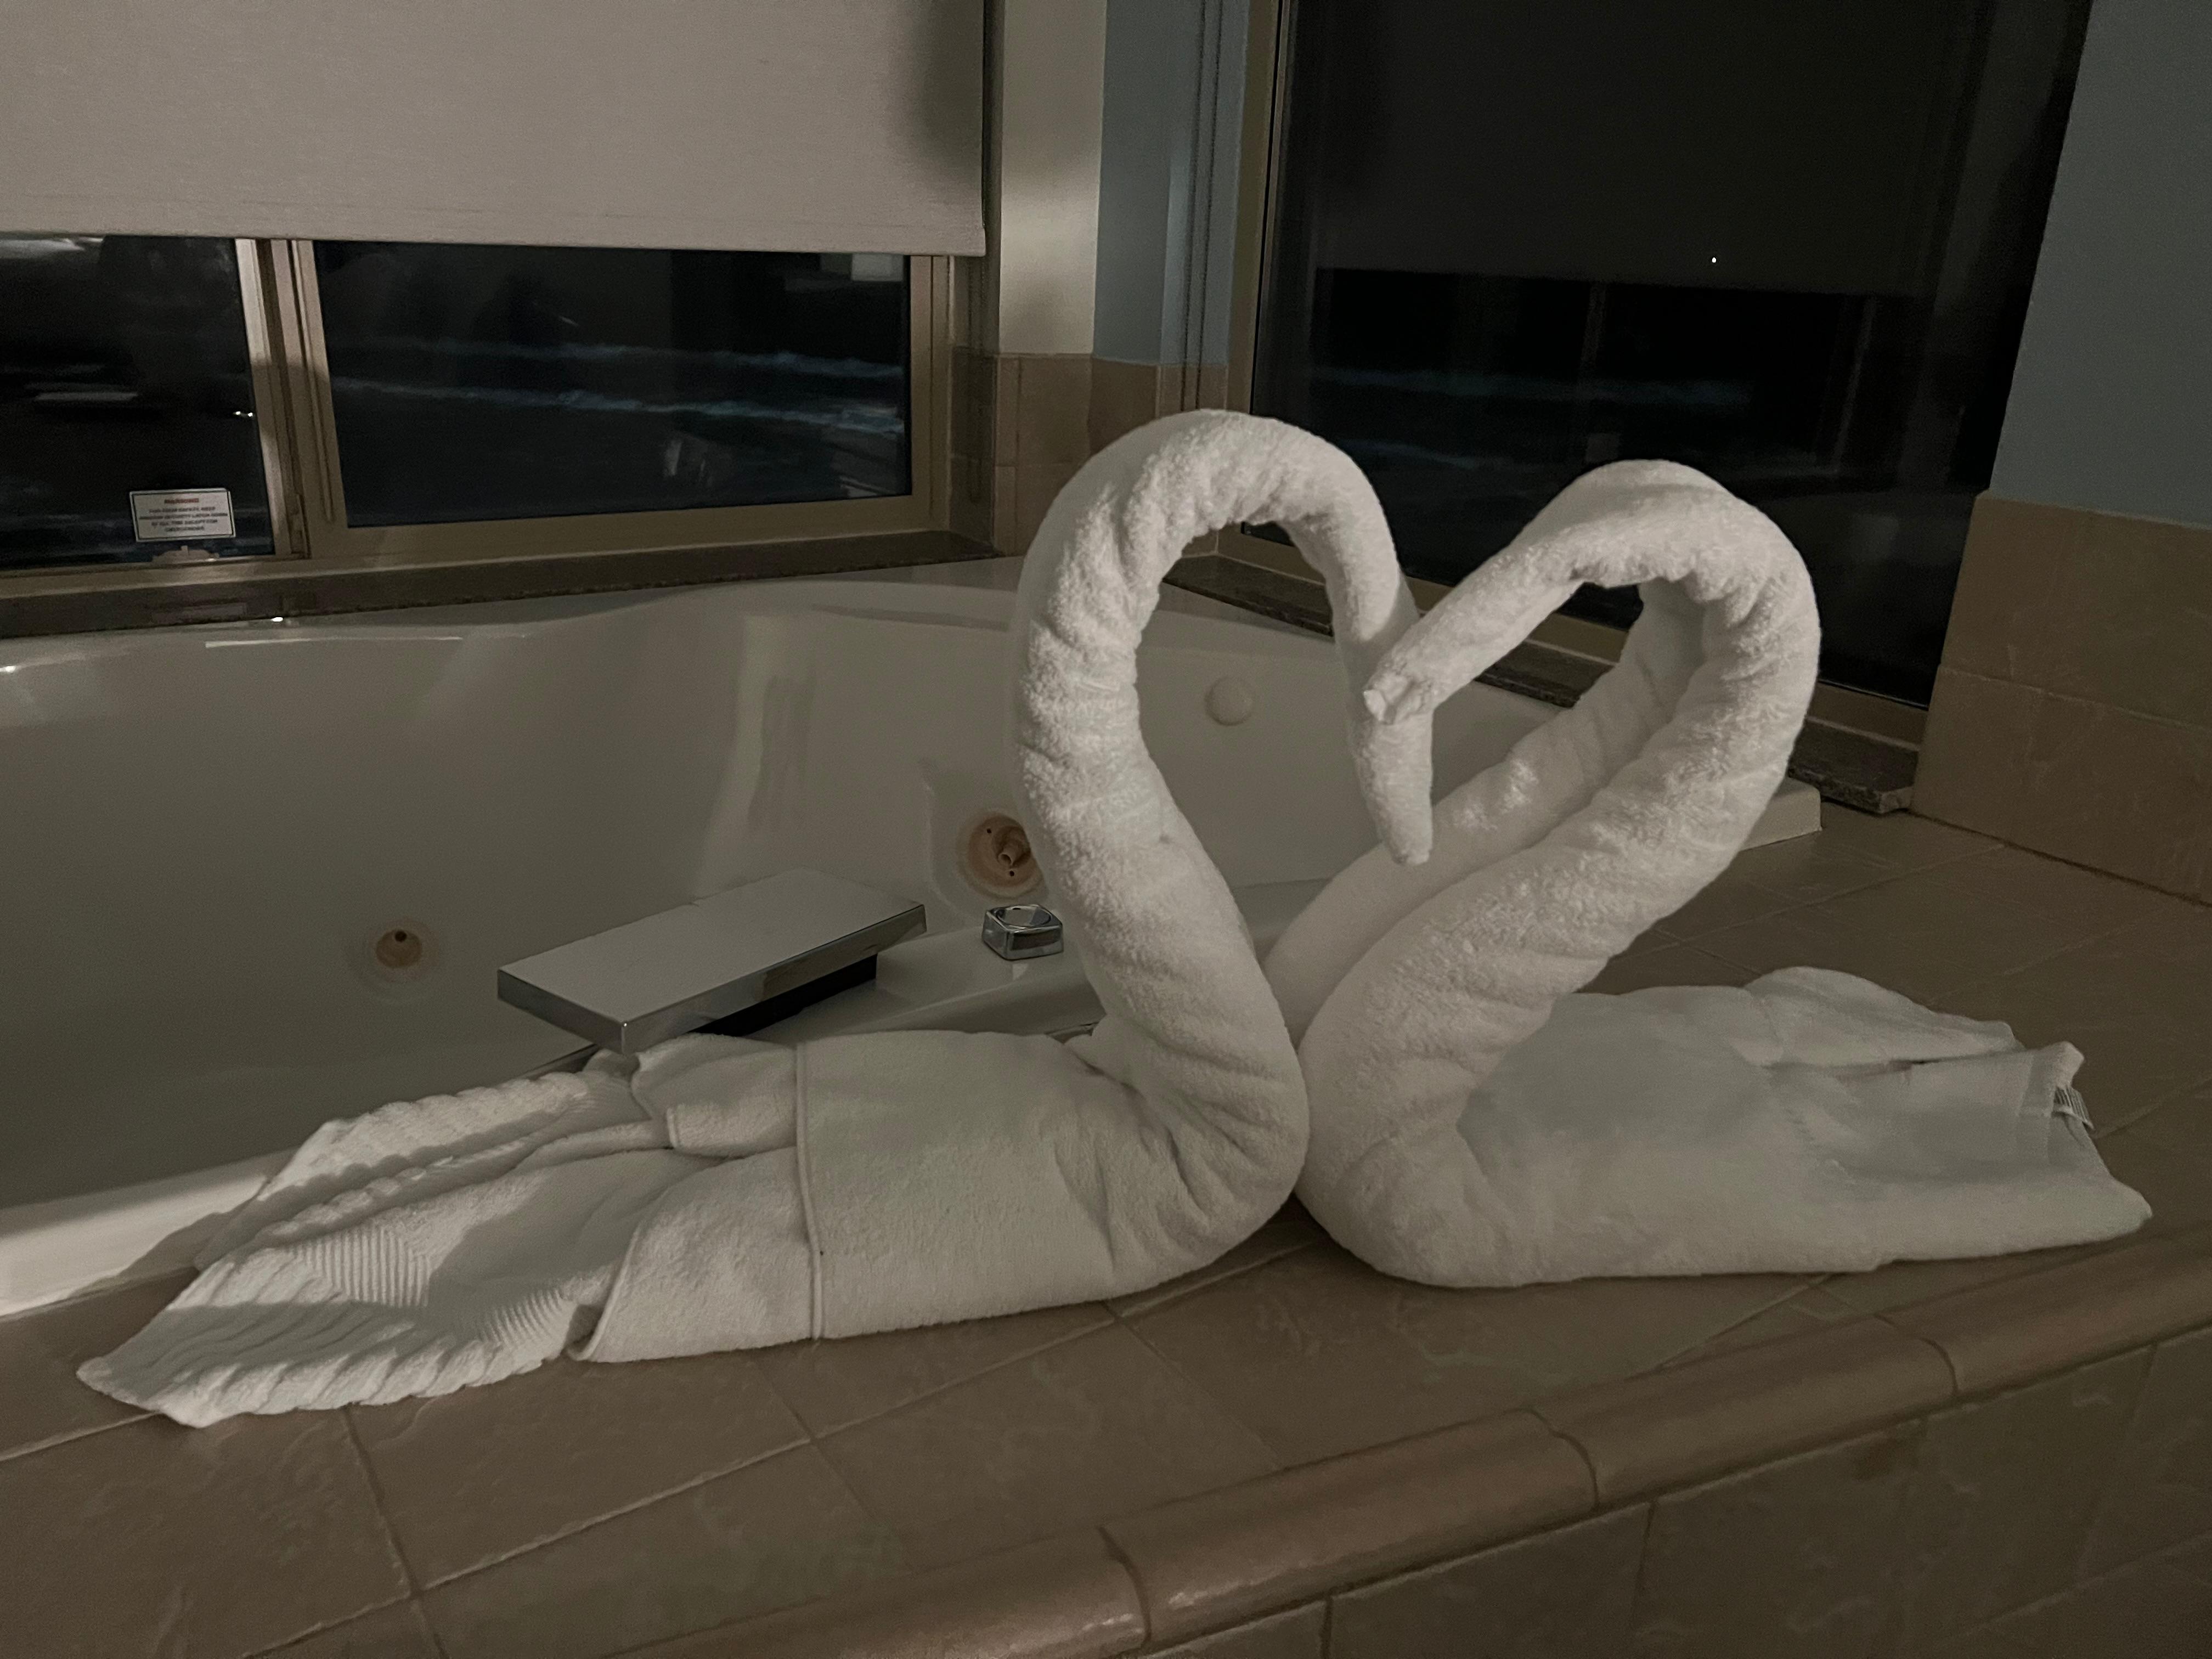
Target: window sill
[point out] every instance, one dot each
(1852, 768)
(97, 601)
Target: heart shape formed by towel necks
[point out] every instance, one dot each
(1647, 524)
(1700, 711)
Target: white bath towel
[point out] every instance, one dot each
(716, 1192)
(1474, 1123)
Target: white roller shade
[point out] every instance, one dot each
(1740, 144)
(839, 125)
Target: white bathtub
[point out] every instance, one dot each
(208, 828)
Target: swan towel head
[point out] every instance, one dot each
(1137, 505)
(1684, 540)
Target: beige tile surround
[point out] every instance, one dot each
(1961, 1522)
(1287, 1453)
(1023, 423)
(2073, 711)
(1964, 1522)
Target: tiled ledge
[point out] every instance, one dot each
(1276, 1544)
(1849, 767)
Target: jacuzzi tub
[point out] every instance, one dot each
(211, 829)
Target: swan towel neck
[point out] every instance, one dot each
(1476, 1123)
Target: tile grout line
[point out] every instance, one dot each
(414, 1596)
(2080, 1573)
(1950, 1367)
(70, 1438)
(1883, 879)
(2158, 1105)
(339, 1624)
(1277, 1463)
(2102, 936)
(424, 1622)
(376, 1495)
(1642, 1562)
(1581, 1451)
(1789, 906)
(2191, 727)
(1829, 1439)
(2134, 882)
(935, 1389)
(1702, 941)
(906, 1573)
(1112, 1318)
(1171, 1298)
(563, 1534)
(1120, 1557)
(1810, 1282)
(907, 1569)
(1901, 1581)
(2080, 1585)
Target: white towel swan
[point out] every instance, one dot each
(1473, 1123)
(718, 1193)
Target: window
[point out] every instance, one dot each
(1789, 246)
(441, 400)
(124, 368)
(475, 383)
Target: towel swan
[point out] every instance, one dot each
(718, 1193)
(1473, 1122)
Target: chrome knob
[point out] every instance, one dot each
(1017, 931)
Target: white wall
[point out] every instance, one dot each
(2111, 401)
(1167, 200)
(1050, 70)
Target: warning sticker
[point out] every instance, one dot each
(181, 515)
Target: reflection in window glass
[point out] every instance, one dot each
(473, 383)
(1791, 246)
(123, 367)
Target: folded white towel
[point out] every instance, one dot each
(1810, 1123)
(1473, 1123)
(716, 1192)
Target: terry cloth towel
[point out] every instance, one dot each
(717, 1192)
(1475, 1123)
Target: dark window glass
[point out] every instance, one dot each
(123, 367)
(475, 383)
(1789, 245)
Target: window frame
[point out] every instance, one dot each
(1259, 168)
(296, 418)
